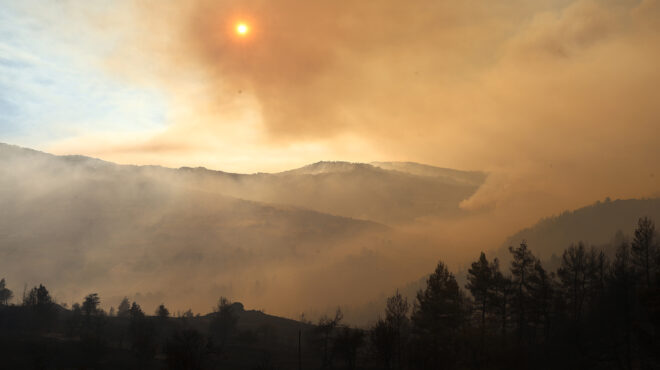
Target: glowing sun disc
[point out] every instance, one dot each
(242, 29)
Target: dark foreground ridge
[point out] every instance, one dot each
(598, 310)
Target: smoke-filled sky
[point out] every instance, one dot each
(557, 99)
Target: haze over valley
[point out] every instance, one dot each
(301, 241)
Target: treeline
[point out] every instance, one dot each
(44, 335)
(596, 311)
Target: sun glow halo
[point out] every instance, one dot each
(242, 29)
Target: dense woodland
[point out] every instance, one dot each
(596, 311)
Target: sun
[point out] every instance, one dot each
(242, 29)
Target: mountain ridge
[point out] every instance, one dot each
(401, 194)
(77, 223)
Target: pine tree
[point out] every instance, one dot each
(5, 293)
(91, 304)
(522, 266)
(39, 301)
(347, 343)
(223, 322)
(501, 297)
(644, 250)
(542, 291)
(574, 275)
(481, 283)
(124, 308)
(438, 315)
(396, 316)
(622, 280)
(325, 329)
(162, 312)
(383, 342)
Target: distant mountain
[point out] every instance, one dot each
(81, 224)
(325, 167)
(290, 241)
(473, 178)
(355, 190)
(595, 225)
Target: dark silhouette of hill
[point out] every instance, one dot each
(594, 225)
(597, 225)
(592, 311)
(87, 337)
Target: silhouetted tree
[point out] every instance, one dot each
(522, 266)
(124, 308)
(162, 312)
(502, 295)
(39, 301)
(5, 293)
(601, 267)
(644, 250)
(135, 312)
(383, 343)
(347, 343)
(91, 304)
(542, 291)
(622, 280)
(575, 274)
(396, 311)
(223, 322)
(481, 284)
(92, 330)
(142, 334)
(38, 297)
(186, 350)
(438, 314)
(74, 321)
(188, 314)
(396, 316)
(325, 330)
(388, 336)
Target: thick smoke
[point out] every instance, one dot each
(555, 98)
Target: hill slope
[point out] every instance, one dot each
(595, 225)
(355, 190)
(185, 237)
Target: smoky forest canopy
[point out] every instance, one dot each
(597, 310)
